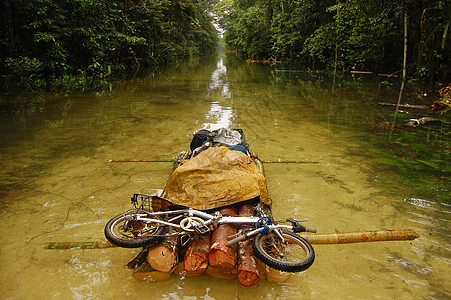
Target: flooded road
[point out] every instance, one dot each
(57, 184)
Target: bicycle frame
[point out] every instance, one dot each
(189, 212)
(216, 219)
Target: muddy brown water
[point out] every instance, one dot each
(58, 184)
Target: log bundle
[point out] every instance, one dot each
(164, 256)
(248, 274)
(208, 254)
(196, 257)
(222, 256)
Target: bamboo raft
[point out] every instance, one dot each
(210, 255)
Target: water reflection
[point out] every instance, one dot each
(427, 204)
(218, 81)
(219, 115)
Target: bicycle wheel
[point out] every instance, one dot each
(126, 231)
(294, 254)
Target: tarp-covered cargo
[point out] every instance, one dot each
(215, 178)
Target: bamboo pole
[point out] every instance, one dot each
(141, 160)
(363, 236)
(289, 162)
(361, 72)
(78, 245)
(173, 160)
(328, 238)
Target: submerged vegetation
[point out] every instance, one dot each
(409, 160)
(65, 44)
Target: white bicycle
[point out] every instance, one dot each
(274, 244)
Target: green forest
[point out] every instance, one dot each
(80, 44)
(343, 35)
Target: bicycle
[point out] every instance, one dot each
(276, 245)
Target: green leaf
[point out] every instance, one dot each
(429, 163)
(388, 161)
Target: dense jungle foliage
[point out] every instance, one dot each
(76, 44)
(343, 35)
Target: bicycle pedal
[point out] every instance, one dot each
(184, 239)
(202, 229)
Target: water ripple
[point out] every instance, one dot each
(428, 204)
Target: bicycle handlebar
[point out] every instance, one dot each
(299, 228)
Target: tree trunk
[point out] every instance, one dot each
(196, 257)
(404, 65)
(164, 257)
(247, 274)
(222, 256)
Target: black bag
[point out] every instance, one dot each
(199, 139)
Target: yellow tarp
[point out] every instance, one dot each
(216, 177)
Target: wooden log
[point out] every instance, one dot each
(388, 75)
(247, 271)
(146, 273)
(247, 210)
(138, 260)
(361, 72)
(404, 105)
(196, 256)
(422, 121)
(228, 211)
(164, 257)
(363, 236)
(222, 256)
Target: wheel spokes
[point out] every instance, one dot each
(132, 229)
(288, 251)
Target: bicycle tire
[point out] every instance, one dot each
(295, 255)
(135, 238)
